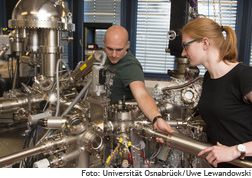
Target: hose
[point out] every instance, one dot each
(154, 155)
(181, 86)
(57, 81)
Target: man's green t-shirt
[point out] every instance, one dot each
(120, 75)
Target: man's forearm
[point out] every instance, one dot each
(148, 107)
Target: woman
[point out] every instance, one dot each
(226, 99)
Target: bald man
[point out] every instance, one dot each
(126, 77)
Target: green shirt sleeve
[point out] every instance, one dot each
(131, 72)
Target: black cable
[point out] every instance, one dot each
(12, 69)
(29, 141)
(33, 142)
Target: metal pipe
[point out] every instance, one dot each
(20, 155)
(83, 160)
(33, 44)
(14, 84)
(175, 123)
(55, 122)
(181, 86)
(70, 156)
(78, 97)
(189, 145)
(65, 158)
(50, 52)
(47, 146)
(11, 104)
(4, 50)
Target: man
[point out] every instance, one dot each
(127, 77)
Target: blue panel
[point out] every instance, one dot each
(243, 30)
(129, 21)
(3, 14)
(78, 19)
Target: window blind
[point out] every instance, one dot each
(153, 22)
(223, 12)
(102, 11)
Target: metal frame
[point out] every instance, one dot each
(3, 14)
(129, 21)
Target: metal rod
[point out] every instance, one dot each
(14, 84)
(11, 104)
(3, 50)
(65, 158)
(78, 97)
(83, 160)
(189, 145)
(47, 146)
(180, 86)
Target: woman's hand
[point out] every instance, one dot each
(220, 153)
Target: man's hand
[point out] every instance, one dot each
(220, 153)
(162, 127)
(148, 106)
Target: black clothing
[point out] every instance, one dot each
(228, 116)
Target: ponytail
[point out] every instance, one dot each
(228, 51)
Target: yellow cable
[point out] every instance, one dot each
(108, 159)
(129, 144)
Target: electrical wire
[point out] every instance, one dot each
(39, 130)
(29, 141)
(144, 158)
(130, 159)
(155, 154)
(111, 156)
(192, 83)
